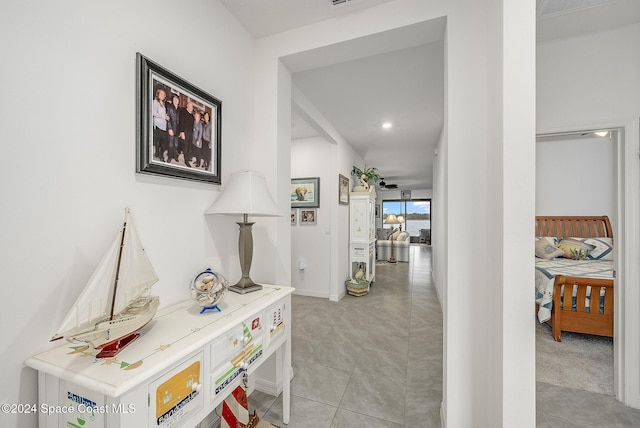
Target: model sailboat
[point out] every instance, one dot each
(115, 303)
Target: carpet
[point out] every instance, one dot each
(580, 361)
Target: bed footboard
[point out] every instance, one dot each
(576, 317)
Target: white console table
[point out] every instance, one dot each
(181, 368)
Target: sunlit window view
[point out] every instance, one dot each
(416, 214)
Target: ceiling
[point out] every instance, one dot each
(396, 76)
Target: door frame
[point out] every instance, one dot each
(626, 343)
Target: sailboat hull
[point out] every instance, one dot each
(124, 324)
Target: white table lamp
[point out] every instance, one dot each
(245, 194)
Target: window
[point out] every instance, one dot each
(416, 214)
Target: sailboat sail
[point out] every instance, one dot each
(136, 275)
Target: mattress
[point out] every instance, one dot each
(546, 270)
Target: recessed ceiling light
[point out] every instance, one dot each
(387, 125)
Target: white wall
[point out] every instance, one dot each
(496, 386)
(324, 246)
(312, 243)
(69, 146)
(340, 160)
(575, 177)
(588, 81)
(439, 216)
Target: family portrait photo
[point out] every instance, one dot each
(179, 126)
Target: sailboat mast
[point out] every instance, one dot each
(115, 284)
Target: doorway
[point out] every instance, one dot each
(576, 176)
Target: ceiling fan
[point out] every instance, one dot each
(387, 185)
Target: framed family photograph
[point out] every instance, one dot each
(343, 190)
(307, 217)
(178, 126)
(305, 192)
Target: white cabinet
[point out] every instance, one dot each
(362, 235)
(180, 369)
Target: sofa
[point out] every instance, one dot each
(401, 242)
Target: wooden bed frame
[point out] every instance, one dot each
(563, 317)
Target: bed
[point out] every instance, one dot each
(565, 288)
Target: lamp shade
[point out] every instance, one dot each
(391, 219)
(245, 193)
(400, 219)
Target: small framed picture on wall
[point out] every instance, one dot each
(305, 192)
(307, 217)
(343, 190)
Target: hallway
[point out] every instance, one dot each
(376, 361)
(370, 361)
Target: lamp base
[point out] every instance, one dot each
(392, 259)
(245, 285)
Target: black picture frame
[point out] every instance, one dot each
(158, 152)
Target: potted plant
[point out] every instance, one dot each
(365, 177)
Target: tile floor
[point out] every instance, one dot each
(376, 361)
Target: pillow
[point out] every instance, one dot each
(402, 236)
(547, 250)
(603, 248)
(383, 234)
(574, 249)
(394, 235)
(550, 239)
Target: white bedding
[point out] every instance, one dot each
(546, 270)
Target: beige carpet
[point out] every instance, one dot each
(580, 361)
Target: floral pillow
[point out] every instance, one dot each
(575, 249)
(603, 248)
(546, 248)
(383, 234)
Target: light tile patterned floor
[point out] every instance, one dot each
(376, 362)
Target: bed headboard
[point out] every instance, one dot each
(577, 226)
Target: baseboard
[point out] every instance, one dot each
(311, 294)
(268, 387)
